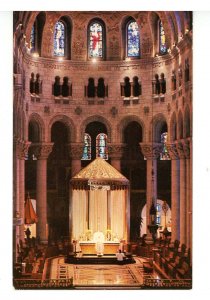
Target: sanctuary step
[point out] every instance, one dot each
(94, 259)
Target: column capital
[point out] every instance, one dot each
(115, 151)
(180, 149)
(75, 150)
(187, 144)
(42, 150)
(172, 150)
(21, 148)
(151, 150)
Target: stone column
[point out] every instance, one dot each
(175, 191)
(41, 152)
(152, 152)
(183, 199)
(187, 146)
(21, 153)
(115, 152)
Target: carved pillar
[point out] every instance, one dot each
(75, 152)
(187, 147)
(115, 152)
(175, 190)
(183, 199)
(21, 153)
(152, 153)
(42, 151)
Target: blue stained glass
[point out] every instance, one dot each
(59, 39)
(133, 40)
(158, 220)
(101, 146)
(158, 207)
(96, 41)
(162, 37)
(32, 39)
(87, 147)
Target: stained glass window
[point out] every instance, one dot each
(158, 220)
(158, 207)
(164, 155)
(101, 146)
(133, 40)
(162, 39)
(96, 40)
(87, 147)
(59, 39)
(32, 39)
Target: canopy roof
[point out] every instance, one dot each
(99, 172)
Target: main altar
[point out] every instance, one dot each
(99, 207)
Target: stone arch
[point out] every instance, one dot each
(180, 126)
(125, 121)
(173, 128)
(36, 118)
(156, 125)
(66, 121)
(96, 118)
(187, 123)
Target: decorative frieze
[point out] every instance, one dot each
(41, 150)
(75, 150)
(151, 150)
(21, 148)
(116, 150)
(172, 150)
(180, 149)
(186, 147)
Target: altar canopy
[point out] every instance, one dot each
(99, 203)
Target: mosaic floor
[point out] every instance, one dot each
(96, 276)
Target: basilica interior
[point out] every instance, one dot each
(102, 149)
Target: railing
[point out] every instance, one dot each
(43, 284)
(153, 283)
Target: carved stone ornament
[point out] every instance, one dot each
(75, 150)
(116, 150)
(180, 149)
(172, 150)
(78, 110)
(151, 150)
(42, 150)
(21, 148)
(186, 148)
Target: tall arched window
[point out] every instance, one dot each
(133, 39)
(35, 43)
(59, 39)
(164, 154)
(87, 147)
(101, 146)
(162, 39)
(96, 40)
